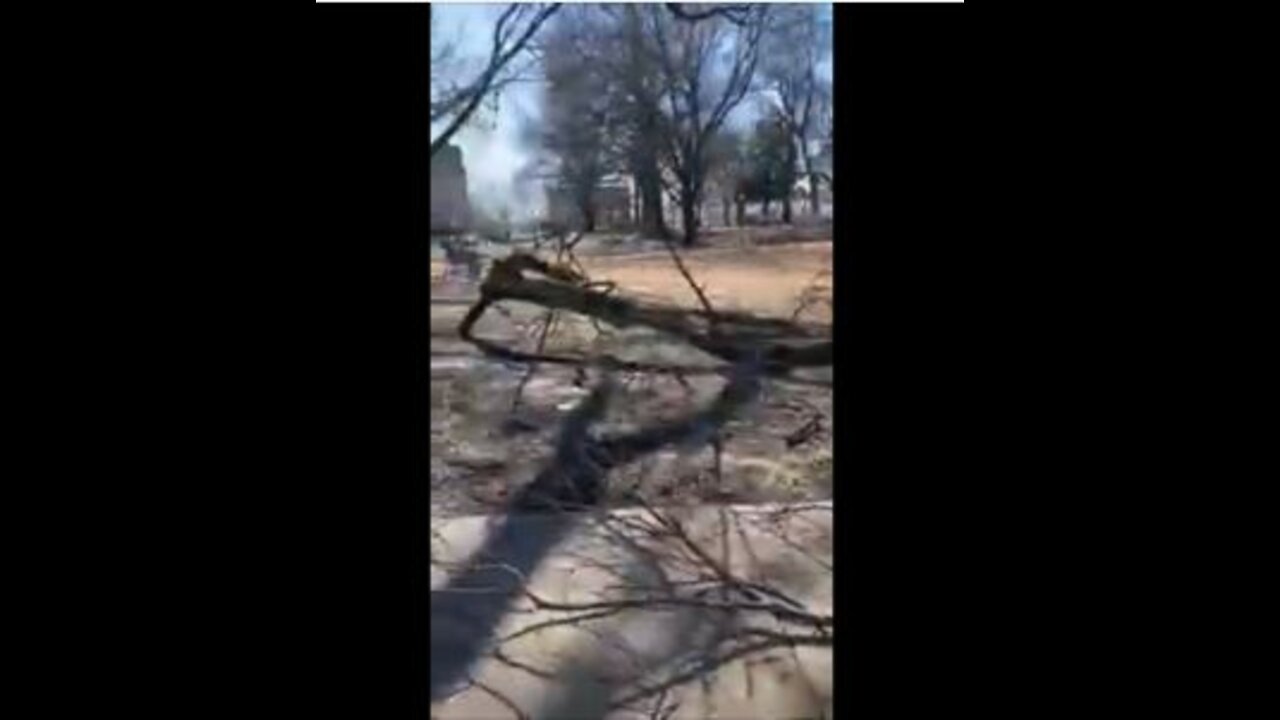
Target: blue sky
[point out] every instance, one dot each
(492, 150)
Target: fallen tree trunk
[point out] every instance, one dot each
(779, 345)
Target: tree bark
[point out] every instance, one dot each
(588, 219)
(782, 345)
(652, 223)
(635, 202)
(815, 200)
(790, 175)
(649, 175)
(689, 217)
(690, 199)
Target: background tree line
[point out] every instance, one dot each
(646, 91)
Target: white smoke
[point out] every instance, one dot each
(493, 152)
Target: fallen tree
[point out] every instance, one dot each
(741, 617)
(467, 609)
(779, 345)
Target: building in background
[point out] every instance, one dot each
(450, 208)
(823, 167)
(612, 201)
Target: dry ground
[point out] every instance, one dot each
(483, 447)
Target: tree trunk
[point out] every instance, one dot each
(781, 342)
(741, 212)
(689, 215)
(764, 210)
(725, 202)
(815, 200)
(652, 223)
(586, 208)
(635, 202)
(791, 182)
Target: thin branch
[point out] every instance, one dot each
(737, 14)
(700, 669)
(777, 610)
(688, 277)
(498, 59)
(547, 320)
(495, 694)
(557, 622)
(507, 660)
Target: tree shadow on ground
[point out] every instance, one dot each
(466, 611)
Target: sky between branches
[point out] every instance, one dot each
(492, 148)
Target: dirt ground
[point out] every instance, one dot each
(485, 443)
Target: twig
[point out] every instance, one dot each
(697, 671)
(557, 622)
(779, 611)
(547, 320)
(688, 277)
(520, 714)
(500, 656)
(805, 432)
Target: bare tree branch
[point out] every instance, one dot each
(776, 609)
(783, 346)
(733, 13)
(496, 695)
(502, 51)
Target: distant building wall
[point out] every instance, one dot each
(612, 207)
(450, 208)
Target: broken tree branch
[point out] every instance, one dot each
(780, 345)
(776, 609)
(737, 14)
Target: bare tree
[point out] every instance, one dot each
(727, 167)
(668, 76)
(797, 41)
(454, 103)
(604, 46)
(639, 95)
(707, 69)
(771, 168)
(580, 124)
